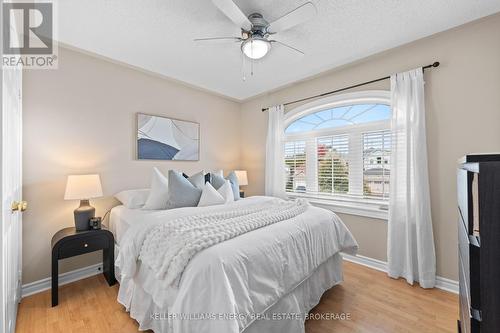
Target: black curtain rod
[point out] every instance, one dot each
(435, 64)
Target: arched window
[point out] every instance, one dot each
(339, 148)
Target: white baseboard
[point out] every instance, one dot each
(64, 278)
(447, 284)
(379, 265)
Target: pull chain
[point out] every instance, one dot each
(243, 74)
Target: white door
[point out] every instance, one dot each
(12, 205)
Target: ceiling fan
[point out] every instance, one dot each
(256, 32)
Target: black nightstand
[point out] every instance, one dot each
(68, 242)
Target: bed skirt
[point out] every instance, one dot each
(297, 302)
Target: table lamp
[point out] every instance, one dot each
(242, 180)
(83, 188)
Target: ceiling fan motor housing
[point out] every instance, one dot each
(259, 25)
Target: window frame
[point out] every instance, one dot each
(367, 207)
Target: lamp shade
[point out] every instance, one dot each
(81, 187)
(242, 177)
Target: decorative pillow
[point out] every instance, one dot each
(158, 195)
(210, 196)
(199, 179)
(133, 199)
(218, 181)
(219, 172)
(235, 185)
(226, 192)
(208, 177)
(181, 192)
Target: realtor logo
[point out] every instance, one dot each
(28, 35)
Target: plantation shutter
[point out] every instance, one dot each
(376, 163)
(333, 166)
(295, 164)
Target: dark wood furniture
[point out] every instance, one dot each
(68, 242)
(478, 187)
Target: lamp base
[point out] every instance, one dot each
(83, 214)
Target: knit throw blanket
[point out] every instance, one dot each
(168, 247)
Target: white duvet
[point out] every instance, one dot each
(226, 286)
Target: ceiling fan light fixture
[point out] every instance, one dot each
(255, 47)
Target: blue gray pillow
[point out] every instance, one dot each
(217, 181)
(181, 192)
(198, 179)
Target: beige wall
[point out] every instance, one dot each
(81, 119)
(463, 115)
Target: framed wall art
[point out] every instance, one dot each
(163, 138)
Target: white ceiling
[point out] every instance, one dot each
(157, 35)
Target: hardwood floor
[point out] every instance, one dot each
(380, 304)
(374, 302)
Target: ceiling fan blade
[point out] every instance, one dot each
(288, 46)
(298, 15)
(231, 10)
(216, 39)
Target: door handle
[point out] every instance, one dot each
(20, 206)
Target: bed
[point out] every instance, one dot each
(263, 280)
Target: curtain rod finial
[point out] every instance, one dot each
(436, 64)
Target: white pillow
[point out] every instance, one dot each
(133, 199)
(158, 195)
(210, 196)
(226, 191)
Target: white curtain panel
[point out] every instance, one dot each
(275, 164)
(410, 248)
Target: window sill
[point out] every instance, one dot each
(377, 211)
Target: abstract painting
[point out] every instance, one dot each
(161, 138)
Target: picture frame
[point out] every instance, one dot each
(167, 139)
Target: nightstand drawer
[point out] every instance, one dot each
(75, 247)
